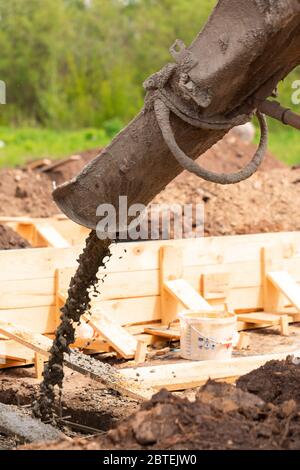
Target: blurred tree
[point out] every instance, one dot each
(78, 63)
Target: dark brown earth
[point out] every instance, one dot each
(84, 401)
(275, 382)
(10, 240)
(221, 417)
(88, 403)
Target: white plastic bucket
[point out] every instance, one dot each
(207, 335)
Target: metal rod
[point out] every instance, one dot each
(284, 115)
(81, 427)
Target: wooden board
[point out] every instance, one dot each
(170, 268)
(12, 351)
(115, 335)
(284, 282)
(215, 285)
(185, 294)
(37, 319)
(264, 318)
(76, 361)
(164, 332)
(180, 376)
(51, 236)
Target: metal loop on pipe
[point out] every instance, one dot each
(163, 118)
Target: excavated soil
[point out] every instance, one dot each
(84, 401)
(10, 240)
(25, 193)
(261, 412)
(273, 191)
(275, 382)
(222, 416)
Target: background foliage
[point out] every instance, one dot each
(76, 64)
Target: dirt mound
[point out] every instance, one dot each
(231, 154)
(275, 382)
(10, 240)
(64, 170)
(267, 202)
(272, 191)
(25, 193)
(222, 417)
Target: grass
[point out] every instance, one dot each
(24, 144)
(284, 143)
(20, 145)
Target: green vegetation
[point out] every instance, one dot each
(26, 144)
(73, 66)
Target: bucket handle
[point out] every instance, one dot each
(214, 341)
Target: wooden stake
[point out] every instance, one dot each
(171, 268)
(39, 365)
(284, 325)
(141, 352)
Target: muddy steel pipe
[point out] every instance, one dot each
(284, 115)
(243, 51)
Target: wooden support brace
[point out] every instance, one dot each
(103, 373)
(187, 295)
(39, 362)
(267, 319)
(285, 284)
(51, 236)
(272, 260)
(171, 333)
(215, 286)
(115, 335)
(171, 267)
(141, 352)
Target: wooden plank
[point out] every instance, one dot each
(11, 363)
(39, 362)
(171, 333)
(141, 352)
(12, 351)
(76, 361)
(30, 293)
(38, 263)
(259, 318)
(272, 259)
(115, 335)
(146, 283)
(185, 294)
(51, 236)
(284, 282)
(170, 267)
(34, 341)
(284, 325)
(143, 256)
(38, 319)
(199, 252)
(180, 376)
(131, 311)
(215, 285)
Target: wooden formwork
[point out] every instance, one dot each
(147, 284)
